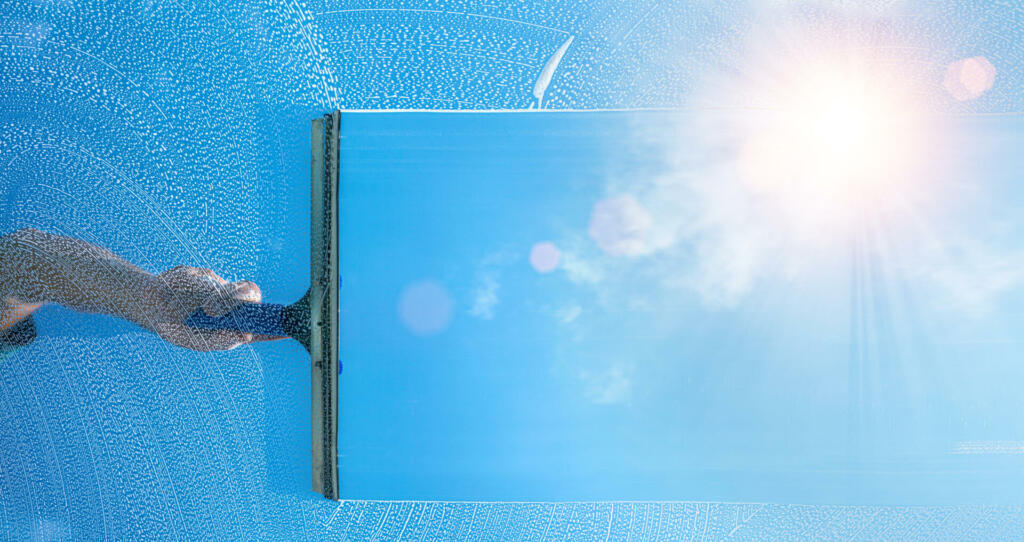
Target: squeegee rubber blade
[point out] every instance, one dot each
(324, 302)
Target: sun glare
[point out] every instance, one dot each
(833, 143)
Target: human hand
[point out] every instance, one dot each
(182, 290)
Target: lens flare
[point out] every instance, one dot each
(969, 78)
(834, 142)
(544, 257)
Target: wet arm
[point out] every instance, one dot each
(38, 267)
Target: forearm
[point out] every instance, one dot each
(39, 267)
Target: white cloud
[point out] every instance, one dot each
(687, 228)
(612, 385)
(621, 226)
(485, 297)
(485, 293)
(581, 270)
(727, 268)
(708, 223)
(966, 274)
(569, 313)
(705, 225)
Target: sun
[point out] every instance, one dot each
(833, 142)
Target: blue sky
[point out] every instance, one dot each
(855, 368)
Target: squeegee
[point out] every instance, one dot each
(313, 319)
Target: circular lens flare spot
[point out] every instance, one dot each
(544, 257)
(969, 78)
(425, 308)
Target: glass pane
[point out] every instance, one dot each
(577, 306)
(753, 264)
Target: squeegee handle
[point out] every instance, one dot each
(261, 318)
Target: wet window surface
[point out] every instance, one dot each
(612, 270)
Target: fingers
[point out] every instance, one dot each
(247, 291)
(225, 297)
(193, 288)
(217, 297)
(208, 274)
